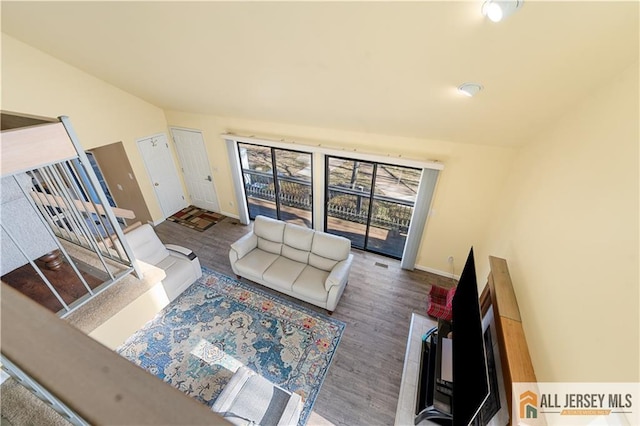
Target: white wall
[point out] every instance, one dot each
(36, 83)
(465, 195)
(567, 221)
(568, 227)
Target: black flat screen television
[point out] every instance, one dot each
(458, 401)
(470, 374)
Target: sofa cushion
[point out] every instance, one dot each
(283, 272)
(269, 246)
(321, 262)
(270, 233)
(269, 229)
(146, 245)
(297, 243)
(255, 263)
(301, 256)
(310, 283)
(298, 237)
(179, 277)
(330, 246)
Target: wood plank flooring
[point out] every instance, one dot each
(26, 280)
(363, 382)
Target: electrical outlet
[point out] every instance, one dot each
(450, 259)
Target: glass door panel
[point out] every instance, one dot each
(389, 226)
(257, 171)
(349, 184)
(394, 196)
(371, 203)
(294, 186)
(277, 183)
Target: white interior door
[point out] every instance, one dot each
(195, 168)
(163, 173)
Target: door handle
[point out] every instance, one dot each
(156, 184)
(209, 178)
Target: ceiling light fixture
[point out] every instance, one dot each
(470, 89)
(497, 10)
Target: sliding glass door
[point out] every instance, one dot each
(370, 203)
(349, 184)
(278, 183)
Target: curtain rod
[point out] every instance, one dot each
(398, 160)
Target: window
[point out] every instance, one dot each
(278, 183)
(370, 203)
(379, 206)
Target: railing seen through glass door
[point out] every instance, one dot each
(370, 203)
(277, 183)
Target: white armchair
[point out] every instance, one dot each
(181, 265)
(250, 399)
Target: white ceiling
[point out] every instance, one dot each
(379, 67)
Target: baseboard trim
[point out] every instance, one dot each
(437, 272)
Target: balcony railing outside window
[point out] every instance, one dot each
(277, 183)
(370, 203)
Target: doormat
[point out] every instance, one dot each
(196, 218)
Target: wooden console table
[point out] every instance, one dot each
(405, 412)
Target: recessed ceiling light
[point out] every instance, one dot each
(497, 10)
(469, 89)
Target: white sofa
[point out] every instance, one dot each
(309, 265)
(181, 265)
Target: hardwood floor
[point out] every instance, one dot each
(70, 288)
(363, 382)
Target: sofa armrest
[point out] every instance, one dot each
(182, 250)
(244, 245)
(333, 297)
(339, 274)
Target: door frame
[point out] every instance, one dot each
(175, 172)
(276, 177)
(204, 146)
(371, 197)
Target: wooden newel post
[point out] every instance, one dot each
(52, 260)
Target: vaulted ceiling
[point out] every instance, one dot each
(380, 67)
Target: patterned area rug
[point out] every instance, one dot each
(196, 218)
(200, 339)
